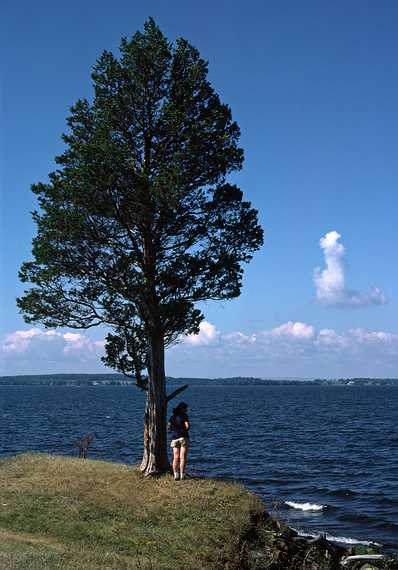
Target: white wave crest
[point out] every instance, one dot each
(340, 539)
(305, 506)
(345, 540)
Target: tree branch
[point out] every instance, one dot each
(176, 392)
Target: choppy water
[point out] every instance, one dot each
(325, 459)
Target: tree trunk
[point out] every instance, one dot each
(145, 456)
(155, 460)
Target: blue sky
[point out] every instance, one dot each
(314, 88)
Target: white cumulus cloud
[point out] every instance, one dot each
(77, 343)
(330, 282)
(292, 349)
(19, 342)
(207, 335)
(49, 345)
(329, 338)
(298, 331)
(374, 337)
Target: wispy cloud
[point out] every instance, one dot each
(330, 282)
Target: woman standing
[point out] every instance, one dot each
(179, 427)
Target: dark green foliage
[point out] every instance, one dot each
(138, 223)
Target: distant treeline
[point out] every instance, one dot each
(120, 380)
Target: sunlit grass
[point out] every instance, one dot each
(58, 512)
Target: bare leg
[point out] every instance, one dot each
(183, 460)
(176, 461)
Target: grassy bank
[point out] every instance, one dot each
(65, 513)
(60, 512)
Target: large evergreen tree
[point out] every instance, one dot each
(138, 222)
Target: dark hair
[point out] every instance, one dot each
(180, 408)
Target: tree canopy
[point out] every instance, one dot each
(138, 222)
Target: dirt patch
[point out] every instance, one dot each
(30, 539)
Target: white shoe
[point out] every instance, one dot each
(182, 476)
(176, 476)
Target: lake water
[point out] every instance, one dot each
(324, 459)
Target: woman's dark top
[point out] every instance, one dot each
(177, 426)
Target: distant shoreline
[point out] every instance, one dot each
(120, 380)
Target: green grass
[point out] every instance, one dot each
(66, 513)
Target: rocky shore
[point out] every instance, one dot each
(272, 545)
